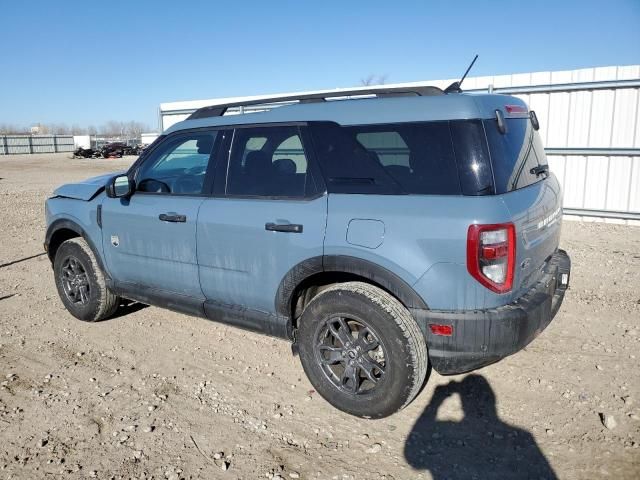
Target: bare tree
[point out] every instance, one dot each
(11, 129)
(134, 129)
(112, 128)
(78, 130)
(57, 129)
(374, 79)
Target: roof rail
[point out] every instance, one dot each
(220, 109)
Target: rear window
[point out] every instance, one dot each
(406, 158)
(514, 154)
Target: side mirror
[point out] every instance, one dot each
(120, 186)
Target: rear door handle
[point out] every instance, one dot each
(283, 227)
(172, 217)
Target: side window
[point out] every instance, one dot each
(390, 148)
(472, 157)
(410, 158)
(178, 166)
(348, 167)
(292, 149)
(267, 162)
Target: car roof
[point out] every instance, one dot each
(368, 111)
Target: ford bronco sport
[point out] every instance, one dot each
(381, 235)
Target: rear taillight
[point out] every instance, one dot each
(491, 254)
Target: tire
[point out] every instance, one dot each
(382, 379)
(81, 284)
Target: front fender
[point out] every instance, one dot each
(68, 224)
(80, 217)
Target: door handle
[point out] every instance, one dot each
(172, 217)
(283, 227)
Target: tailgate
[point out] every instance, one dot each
(537, 214)
(533, 196)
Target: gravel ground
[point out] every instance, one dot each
(155, 394)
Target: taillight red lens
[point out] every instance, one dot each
(491, 254)
(514, 109)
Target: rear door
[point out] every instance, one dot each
(533, 197)
(268, 214)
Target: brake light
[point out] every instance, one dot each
(491, 254)
(515, 109)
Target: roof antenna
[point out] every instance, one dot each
(455, 86)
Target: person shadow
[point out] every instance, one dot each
(480, 446)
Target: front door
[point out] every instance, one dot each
(268, 217)
(149, 239)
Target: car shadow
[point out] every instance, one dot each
(126, 307)
(13, 262)
(480, 446)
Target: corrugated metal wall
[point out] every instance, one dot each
(16, 144)
(589, 123)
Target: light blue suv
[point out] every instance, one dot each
(381, 235)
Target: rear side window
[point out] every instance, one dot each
(472, 157)
(409, 158)
(514, 154)
(268, 162)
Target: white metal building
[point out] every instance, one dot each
(589, 122)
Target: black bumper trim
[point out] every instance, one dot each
(482, 337)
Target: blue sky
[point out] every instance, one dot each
(82, 62)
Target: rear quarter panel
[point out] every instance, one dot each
(423, 241)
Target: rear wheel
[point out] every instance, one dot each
(81, 284)
(362, 350)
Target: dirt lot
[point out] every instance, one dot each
(155, 394)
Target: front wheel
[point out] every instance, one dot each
(81, 284)
(362, 350)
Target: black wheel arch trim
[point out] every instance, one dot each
(373, 272)
(65, 223)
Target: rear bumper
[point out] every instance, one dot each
(482, 337)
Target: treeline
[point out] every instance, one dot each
(111, 128)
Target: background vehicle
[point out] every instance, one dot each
(83, 153)
(380, 235)
(114, 149)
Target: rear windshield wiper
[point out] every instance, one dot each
(539, 170)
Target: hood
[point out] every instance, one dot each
(86, 189)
